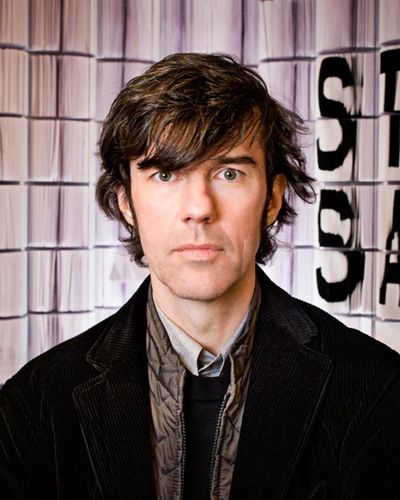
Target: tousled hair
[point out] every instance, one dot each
(183, 109)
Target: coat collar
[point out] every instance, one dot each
(280, 308)
(124, 337)
(287, 383)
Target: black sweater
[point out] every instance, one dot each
(202, 405)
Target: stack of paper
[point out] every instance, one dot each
(14, 22)
(13, 210)
(389, 13)
(76, 84)
(143, 22)
(61, 150)
(79, 23)
(110, 32)
(13, 148)
(44, 85)
(13, 284)
(286, 29)
(213, 26)
(109, 83)
(45, 24)
(13, 81)
(291, 83)
(345, 24)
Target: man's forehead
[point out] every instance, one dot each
(250, 143)
(229, 148)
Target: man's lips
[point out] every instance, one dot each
(205, 247)
(202, 253)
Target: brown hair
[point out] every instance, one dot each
(184, 108)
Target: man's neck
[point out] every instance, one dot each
(209, 323)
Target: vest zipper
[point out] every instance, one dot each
(216, 439)
(183, 429)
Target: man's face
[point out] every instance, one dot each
(200, 226)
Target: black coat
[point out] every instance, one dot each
(321, 418)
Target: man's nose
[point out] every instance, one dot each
(198, 204)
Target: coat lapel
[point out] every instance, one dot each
(114, 410)
(287, 383)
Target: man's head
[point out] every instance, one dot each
(188, 108)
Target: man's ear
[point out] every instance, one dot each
(275, 201)
(123, 205)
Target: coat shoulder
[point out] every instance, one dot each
(335, 336)
(320, 331)
(364, 370)
(54, 374)
(60, 368)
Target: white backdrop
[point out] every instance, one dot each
(61, 64)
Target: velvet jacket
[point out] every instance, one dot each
(321, 419)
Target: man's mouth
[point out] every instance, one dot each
(205, 251)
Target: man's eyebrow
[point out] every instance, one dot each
(220, 160)
(235, 160)
(148, 163)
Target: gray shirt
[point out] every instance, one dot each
(193, 356)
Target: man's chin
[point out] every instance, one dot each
(199, 282)
(204, 287)
(199, 289)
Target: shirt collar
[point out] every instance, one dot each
(197, 360)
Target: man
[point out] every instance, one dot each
(211, 382)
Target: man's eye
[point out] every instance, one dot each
(230, 174)
(164, 176)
